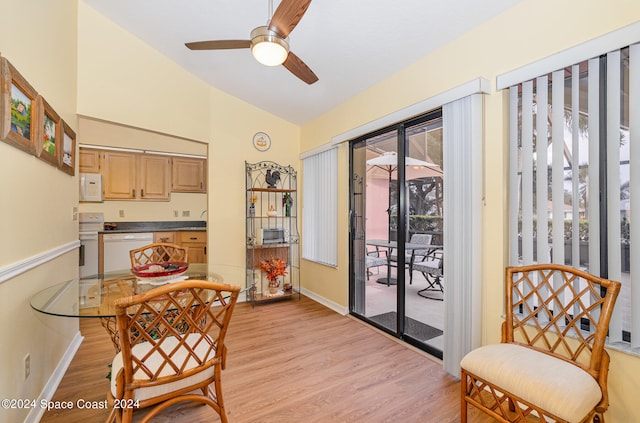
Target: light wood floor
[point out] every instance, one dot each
(292, 361)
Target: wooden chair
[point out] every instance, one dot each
(158, 252)
(172, 343)
(551, 365)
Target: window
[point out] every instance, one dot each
(574, 157)
(319, 207)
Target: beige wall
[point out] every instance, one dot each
(39, 39)
(507, 42)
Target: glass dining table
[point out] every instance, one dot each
(94, 296)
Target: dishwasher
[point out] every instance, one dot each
(116, 249)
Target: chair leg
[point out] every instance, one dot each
(112, 416)
(219, 400)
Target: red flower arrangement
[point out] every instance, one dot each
(273, 268)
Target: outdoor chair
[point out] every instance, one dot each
(171, 346)
(432, 268)
(412, 256)
(374, 259)
(158, 253)
(551, 365)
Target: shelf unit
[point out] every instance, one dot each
(267, 185)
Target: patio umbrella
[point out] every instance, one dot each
(388, 162)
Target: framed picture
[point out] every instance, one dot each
(48, 145)
(18, 109)
(68, 148)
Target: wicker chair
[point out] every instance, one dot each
(157, 253)
(172, 343)
(551, 364)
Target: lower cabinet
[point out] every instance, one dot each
(166, 237)
(196, 241)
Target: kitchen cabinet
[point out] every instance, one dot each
(196, 241)
(154, 177)
(271, 231)
(118, 175)
(166, 237)
(128, 176)
(89, 160)
(188, 175)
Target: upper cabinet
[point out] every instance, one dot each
(89, 160)
(119, 175)
(139, 176)
(154, 177)
(188, 175)
(128, 176)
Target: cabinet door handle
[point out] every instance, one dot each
(142, 192)
(133, 192)
(82, 250)
(193, 238)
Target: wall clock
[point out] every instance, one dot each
(261, 141)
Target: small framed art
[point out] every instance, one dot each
(68, 148)
(19, 110)
(48, 144)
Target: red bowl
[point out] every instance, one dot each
(170, 268)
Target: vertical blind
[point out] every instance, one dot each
(462, 155)
(574, 169)
(319, 207)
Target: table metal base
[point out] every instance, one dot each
(390, 281)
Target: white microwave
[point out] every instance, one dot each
(272, 236)
(91, 187)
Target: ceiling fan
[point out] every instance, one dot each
(270, 44)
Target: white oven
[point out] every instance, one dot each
(89, 225)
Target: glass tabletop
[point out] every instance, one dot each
(93, 296)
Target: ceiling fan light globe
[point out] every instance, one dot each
(267, 47)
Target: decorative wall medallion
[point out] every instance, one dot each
(261, 141)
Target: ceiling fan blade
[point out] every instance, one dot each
(218, 44)
(299, 69)
(287, 16)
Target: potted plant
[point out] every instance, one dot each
(274, 268)
(287, 200)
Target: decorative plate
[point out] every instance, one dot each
(261, 141)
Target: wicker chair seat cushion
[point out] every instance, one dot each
(375, 261)
(554, 385)
(155, 360)
(432, 267)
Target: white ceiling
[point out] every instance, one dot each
(349, 44)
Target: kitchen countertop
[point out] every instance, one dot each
(170, 226)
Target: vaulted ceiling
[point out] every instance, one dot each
(350, 44)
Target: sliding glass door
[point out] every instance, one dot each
(396, 193)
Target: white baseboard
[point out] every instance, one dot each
(51, 386)
(325, 302)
